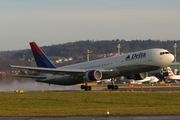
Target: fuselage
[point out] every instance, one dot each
(121, 65)
(151, 79)
(174, 77)
(171, 75)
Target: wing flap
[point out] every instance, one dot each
(29, 76)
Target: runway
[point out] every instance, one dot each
(32, 86)
(146, 87)
(126, 88)
(157, 117)
(175, 88)
(122, 88)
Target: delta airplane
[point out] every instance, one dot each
(150, 79)
(172, 76)
(133, 65)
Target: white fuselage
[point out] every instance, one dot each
(174, 77)
(171, 75)
(121, 65)
(151, 79)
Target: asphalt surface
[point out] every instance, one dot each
(148, 88)
(162, 117)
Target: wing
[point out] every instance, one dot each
(51, 70)
(58, 71)
(30, 76)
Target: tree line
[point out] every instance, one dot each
(77, 50)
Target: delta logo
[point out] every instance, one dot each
(136, 56)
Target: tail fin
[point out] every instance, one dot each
(40, 58)
(170, 72)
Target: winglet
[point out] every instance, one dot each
(40, 58)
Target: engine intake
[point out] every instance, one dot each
(93, 75)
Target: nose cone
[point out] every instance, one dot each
(171, 58)
(166, 60)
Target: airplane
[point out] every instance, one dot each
(150, 79)
(172, 76)
(134, 65)
(104, 81)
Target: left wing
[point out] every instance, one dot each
(50, 70)
(58, 71)
(30, 76)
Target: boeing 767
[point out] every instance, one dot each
(133, 65)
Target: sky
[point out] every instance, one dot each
(50, 22)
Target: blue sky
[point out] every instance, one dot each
(49, 22)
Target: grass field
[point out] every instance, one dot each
(88, 103)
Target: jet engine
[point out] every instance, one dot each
(93, 75)
(138, 76)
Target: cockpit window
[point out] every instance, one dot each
(162, 53)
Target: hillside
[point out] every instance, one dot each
(77, 51)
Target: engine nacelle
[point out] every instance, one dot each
(138, 76)
(93, 75)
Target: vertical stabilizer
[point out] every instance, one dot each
(40, 58)
(170, 72)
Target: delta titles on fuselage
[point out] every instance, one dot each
(136, 56)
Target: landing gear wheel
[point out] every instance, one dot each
(109, 86)
(112, 86)
(82, 87)
(89, 88)
(116, 87)
(86, 87)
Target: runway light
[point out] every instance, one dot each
(108, 113)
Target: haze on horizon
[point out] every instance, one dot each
(50, 22)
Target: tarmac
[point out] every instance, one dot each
(157, 117)
(122, 88)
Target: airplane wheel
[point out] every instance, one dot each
(109, 87)
(89, 88)
(85, 88)
(112, 87)
(116, 87)
(82, 87)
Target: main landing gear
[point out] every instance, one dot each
(112, 86)
(86, 87)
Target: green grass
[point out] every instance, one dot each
(88, 103)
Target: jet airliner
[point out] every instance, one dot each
(150, 79)
(172, 76)
(133, 65)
